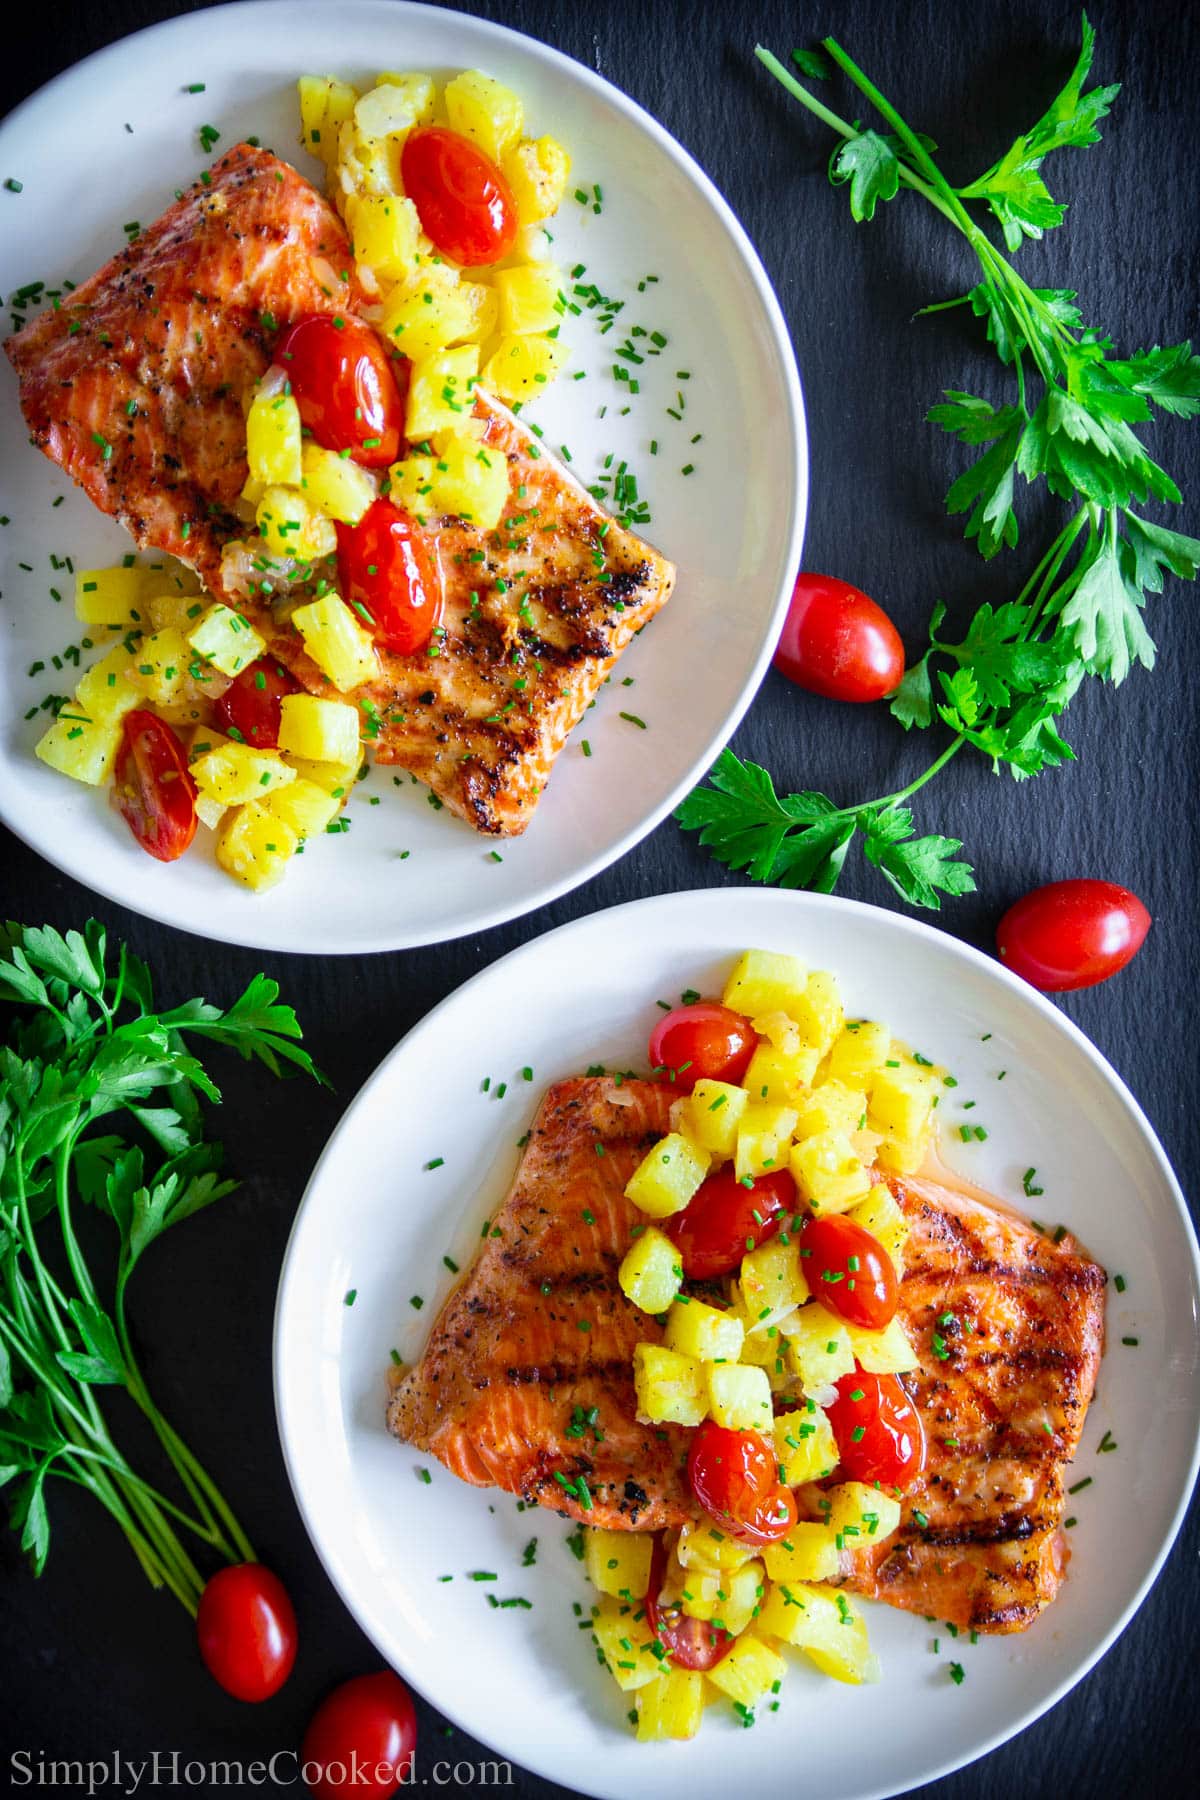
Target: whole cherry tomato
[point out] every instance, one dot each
(152, 788)
(388, 568)
(361, 1739)
(690, 1643)
(246, 1629)
(837, 642)
(878, 1430)
(351, 395)
(249, 708)
(849, 1271)
(703, 1041)
(1072, 934)
(463, 201)
(723, 1219)
(735, 1477)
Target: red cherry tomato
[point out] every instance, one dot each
(723, 1219)
(249, 707)
(1072, 934)
(735, 1477)
(850, 1272)
(387, 566)
(704, 1041)
(246, 1629)
(463, 201)
(361, 1739)
(690, 1643)
(152, 788)
(838, 643)
(878, 1430)
(351, 395)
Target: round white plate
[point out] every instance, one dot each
(734, 526)
(376, 1220)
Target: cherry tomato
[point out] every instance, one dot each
(246, 1629)
(723, 1219)
(152, 788)
(838, 643)
(1072, 934)
(351, 395)
(463, 201)
(849, 1271)
(878, 1430)
(690, 1643)
(704, 1041)
(388, 567)
(735, 1477)
(361, 1738)
(249, 708)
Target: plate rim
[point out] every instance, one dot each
(249, 934)
(972, 957)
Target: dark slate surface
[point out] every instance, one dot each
(92, 1660)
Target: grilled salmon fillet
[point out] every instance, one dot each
(538, 1333)
(135, 389)
(1009, 1326)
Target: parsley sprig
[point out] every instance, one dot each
(1070, 422)
(86, 1052)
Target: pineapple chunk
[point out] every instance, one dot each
(819, 1347)
(650, 1272)
(618, 1562)
(334, 778)
(336, 641)
(225, 639)
(520, 367)
(808, 1553)
(410, 486)
(109, 596)
(859, 1514)
(886, 1352)
(744, 1591)
(818, 1012)
(667, 1176)
(435, 310)
(486, 111)
(702, 1547)
(484, 303)
(419, 91)
(365, 164)
(748, 1672)
(469, 481)
(105, 692)
(392, 108)
(881, 1216)
(828, 1173)
(901, 1102)
(775, 1076)
(699, 1590)
(82, 748)
(766, 1349)
(336, 486)
(172, 612)
(805, 1447)
(159, 668)
(702, 1331)
(323, 731)
(764, 981)
(669, 1387)
(671, 1707)
(826, 1626)
(385, 234)
(325, 105)
(530, 298)
(290, 526)
(762, 1139)
(628, 1645)
(537, 172)
(711, 1113)
(303, 806)
(901, 1156)
(771, 1282)
(859, 1051)
(832, 1107)
(739, 1396)
(254, 846)
(440, 390)
(235, 773)
(273, 441)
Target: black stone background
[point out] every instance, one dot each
(91, 1658)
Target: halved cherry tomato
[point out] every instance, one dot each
(152, 788)
(463, 201)
(735, 1477)
(703, 1041)
(837, 642)
(388, 568)
(690, 1643)
(361, 1739)
(723, 1219)
(849, 1271)
(351, 395)
(1072, 934)
(878, 1430)
(246, 1629)
(249, 708)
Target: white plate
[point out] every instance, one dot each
(734, 526)
(376, 1220)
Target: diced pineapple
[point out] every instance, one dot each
(667, 1176)
(254, 846)
(440, 390)
(304, 806)
(385, 234)
(365, 164)
(711, 1113)
(826, 1625)
(322, 731)
(392, 108)
(334, 778)
(410, 486)
(470, 481)
(434, 310)
(771, 1282)
(881, 1216)
(818, 1012)
(901, 1102)
(618, 1562)
(627, 1643)
(832, 1106)
(806, 1448)
(762, 1139)
(484, 110)
(520, 367)
(105, 691)
(699, 1589)
(739, 1396)
(901, 1156)
(670, 1387)
(225, 639)
(420, 93)
(336, 486)
(705, 1332)
(744, 1591)
(166, 611)
(82, 748)
(859, 1514)
(749, 1671)
(530, 298)
(291, 526)
(808, 1553)
(828, 1173)
(819, 1348)
(109, 596)
(159, 668)
(537, 173)
(765, 1348)
(484, 303)
(671, 1707)
(235, 773)
(705, 1547)
(775, 1076)
(764, 981)
(273, 441)
(650, 1272)
(858, 1051)
(325, 105)
(886, 1352)
(337, 643)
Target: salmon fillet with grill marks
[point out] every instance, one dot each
(508, 1362)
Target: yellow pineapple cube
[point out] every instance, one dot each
(159, 668)
(805, 1447)
(364, 164)
(410, 486)
(704, 1546)
(273, 441)
(749, 1671)
(469, 480)
(537, 171)
(520, 367)
(704, 1332)
(667, 1176)
(254, 846)
(336, 486)
(809, 1552)
(901, 1156)
(485, 111)
(302, 805)
(618, 1562)
(775, 1076)
(858, 1051)
(765, 1348)
(818, 1012)
(334, 778)
(765, 981)
(627, 1643)
(819, 1347)
(771, 1282)
(441, 391)
(291, 526)
(166, 611)
(530, 298)
(419, 91)
(827, 1626)
(669, 1387)
(325, 105)
(225, 639)
(739, 1396)
(320, 731)
(110, 596)
(671, 1707)
(233, 773)
(650, 1272)
(881, 1216)
(901, 1102)
(831, 1106)
(337, 643)
(763, 1139)
(886, 1352)
(741, 1598)
(484, 303)
(859, 1514)
(106, 690)
(80, 747)
(828, 1173)
(711, 1113)
(433, 311)
(384, 233)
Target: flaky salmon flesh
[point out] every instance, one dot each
(538, 1337)
(135, 387)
